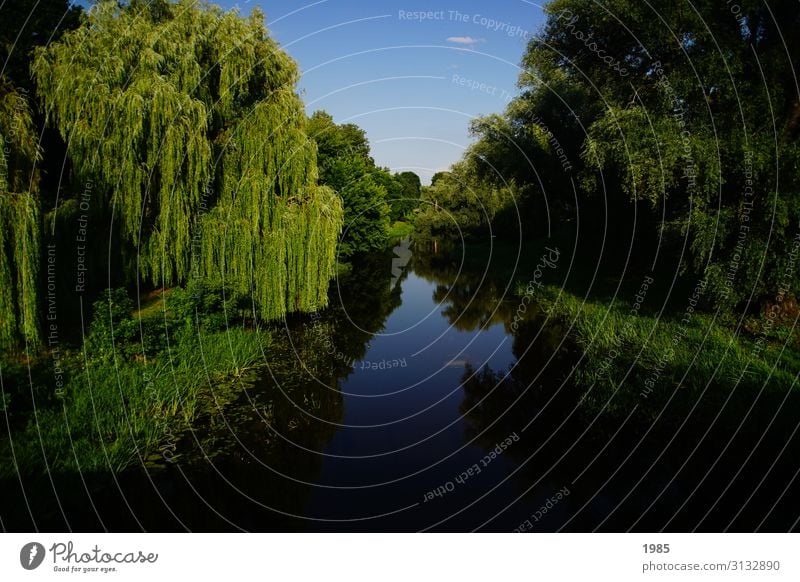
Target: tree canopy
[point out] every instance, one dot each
(27, 24)
(346, 166)
(19, 219)
(186, 119)
(690, 113)
(464, 201)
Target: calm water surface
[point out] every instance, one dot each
(408, 405)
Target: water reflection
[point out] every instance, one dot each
(689, 468)
(472, 298)
(481, 427)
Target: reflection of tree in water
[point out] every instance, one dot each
(536, 399)
(616, 458)
(360, 302)
(291, 413)
(366, 297)
(473, 300)
(498, 402)
(246, 463)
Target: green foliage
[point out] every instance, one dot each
(28, 24)
(334, 142)
(112, 325)
(669, 105)
(207, 164)
(461, 202)
(113, 414)
(640, 359)
(406, 197)
(437, 176)
(19, 220)
(689, 135)
(345, 166)
(19, 269)
(400, 230)
(209, 307)
(18, 139)
(366, 225)
(395, 193)
(147, 378)
(135, 387)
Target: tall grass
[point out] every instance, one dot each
(681, 359)
(119, 407)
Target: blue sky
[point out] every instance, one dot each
(412, 74)
(413, 82)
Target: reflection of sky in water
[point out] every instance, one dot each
(421, 400)
(434, 353)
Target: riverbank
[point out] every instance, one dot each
(158, 381)
(639, 338)
(288, 427)
(131, 393)
(633, 355)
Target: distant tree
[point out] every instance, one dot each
(346, 166)
(366, 216)
(395, 191)
(438, 176)
(335, 142)
(460, 203)
(408, 198)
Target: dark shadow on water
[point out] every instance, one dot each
(482, 428)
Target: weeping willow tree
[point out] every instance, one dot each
(187, 119)
(19, 220)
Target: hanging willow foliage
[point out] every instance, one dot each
(19, 220)
(187, 117)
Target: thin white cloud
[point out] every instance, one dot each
(467, 40)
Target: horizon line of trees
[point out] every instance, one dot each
(165, 141)
(373, 197)
(691, 156)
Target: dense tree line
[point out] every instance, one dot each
(164, 142)
(461, 202)
(168, 138)
(683, 117)
(373, 197)
(185, 120)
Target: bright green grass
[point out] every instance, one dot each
(400, 230)
(153, 305)
(119, 412)
(644, 360)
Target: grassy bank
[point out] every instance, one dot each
(645, 339)
(632, 357)
(400, 230)
(131, 391)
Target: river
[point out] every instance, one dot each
(410, 405)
